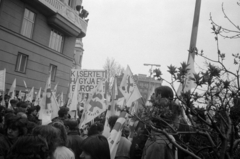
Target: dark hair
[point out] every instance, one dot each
(30, 126)
(95, 129)
(63, 111)
(15, 122)
(50, 133)
(112, 120)
(30, 110)
(29, 147)
(22, 104)
(97, 147)
(165, 91)
(63, 133)
(13, 101)
(38, 108)
(72, 124)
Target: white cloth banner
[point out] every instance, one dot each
(95, 105)
(2, 79)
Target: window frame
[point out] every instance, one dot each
(53, 74)
(55, 36)
(18, 64)
(33, 24)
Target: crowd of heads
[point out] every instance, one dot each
(22, 135)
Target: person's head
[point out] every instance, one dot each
(13, 103)
(63, 132)
(164, 92)
(96, 128)
(112, 120)
(16, 127)
(22, 115)
(32, 111)
(38, 108)
(50, 133)
(71, 125)
(29, 147)
(22, 106)
(63, 112)
(95, 147)
(30, 126)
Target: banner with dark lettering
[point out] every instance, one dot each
(87, 79)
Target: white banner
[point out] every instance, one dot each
(87, 79)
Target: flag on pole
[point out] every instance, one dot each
(25, 85)
(12, 91)
(116, 134)
(95, 104)
(55, 106)
(60, 100)
(29, 96)
(45, 111)
(2, 80)
(129, 88)
(73, 102)
(55, 89)
(48, 82)
(38, 97)
(12, 88)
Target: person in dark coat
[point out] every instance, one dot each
(74, 140)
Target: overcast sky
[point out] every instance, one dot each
(134, 32)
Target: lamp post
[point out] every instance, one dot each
(156, 65)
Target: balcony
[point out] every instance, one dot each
(61, 16)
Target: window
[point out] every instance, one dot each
(28, 23)
(56, 41)
(53, 69)
(21, 64)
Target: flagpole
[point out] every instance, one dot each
(194, 28)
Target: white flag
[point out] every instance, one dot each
(95, 104)
(29, 96)
(55, 89)
(12, 88)
(38, 97)
(116, 134)
(55, 106)
(60, 100)
(129, 88)
(48, 82)
(2, 79)
(25, 85)
(73, 102)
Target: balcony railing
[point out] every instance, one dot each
(67, 12)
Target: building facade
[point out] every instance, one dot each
(37, 36)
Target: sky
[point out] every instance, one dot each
(134, 32)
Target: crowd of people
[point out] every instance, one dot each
(22, 136)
